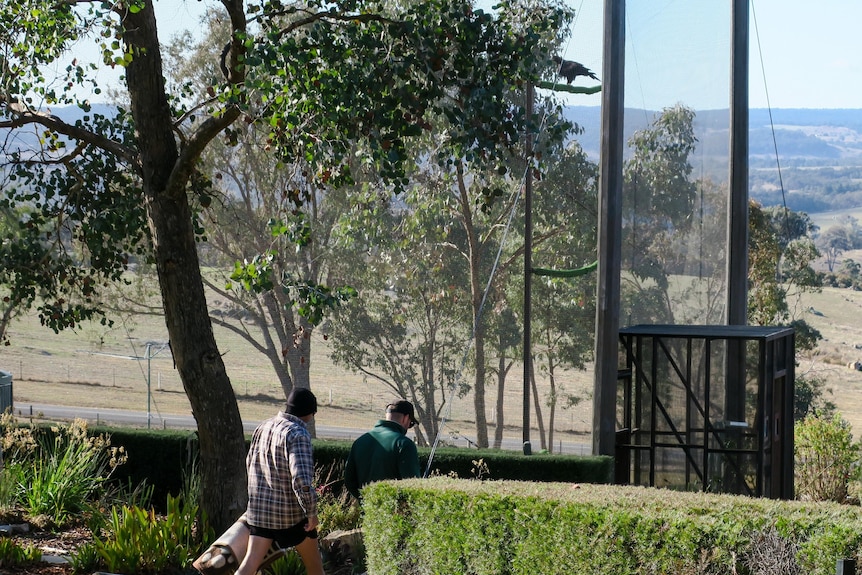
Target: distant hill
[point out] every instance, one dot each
(810, 135)
(804, 136)
(819, 152)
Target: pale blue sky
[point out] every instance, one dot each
(678, 50)
(812, 53)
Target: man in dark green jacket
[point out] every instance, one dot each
(385, 452)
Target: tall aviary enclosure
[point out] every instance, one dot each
(681, 383)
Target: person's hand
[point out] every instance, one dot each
(312, 523)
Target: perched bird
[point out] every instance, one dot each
(571, 70)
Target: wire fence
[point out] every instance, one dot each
(135, 373)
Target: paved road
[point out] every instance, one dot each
(139, 419)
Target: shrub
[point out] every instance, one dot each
(141, 542)
(69, 472)
(53, 473)
(289, 564)
(770, 553)
(336, 508)
(13, 554)
(826, 458)
(85, 559)
(10, 478)
(443, 525)
(134, 539)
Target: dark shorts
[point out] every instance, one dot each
(290, 537)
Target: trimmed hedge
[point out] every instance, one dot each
(514, 465)
(160, 457)
(445, 525)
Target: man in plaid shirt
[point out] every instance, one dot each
(282, 502)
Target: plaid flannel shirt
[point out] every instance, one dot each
(280, 474)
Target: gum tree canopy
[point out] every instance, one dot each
(343, 85)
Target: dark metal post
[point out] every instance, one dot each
(528, 267)
(610, 230)
(737, 212)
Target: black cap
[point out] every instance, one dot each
(301, 402)
(403, 407)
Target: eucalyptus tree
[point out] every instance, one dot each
(320, 75)
(565, 218)
(443, 256)
(405, 330)
(673, 227)
(779, 273)
(265, 211)
(790, 225)
(837, 239)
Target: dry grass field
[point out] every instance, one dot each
(105, 368)
(95, 367)
(837, 314)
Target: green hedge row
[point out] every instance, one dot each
(444, 525)
(160, 458)
(157, 457)
(513, 465)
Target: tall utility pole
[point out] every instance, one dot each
(610, 230)
(528, 267)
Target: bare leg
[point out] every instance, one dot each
(310, 554)
(254, 554)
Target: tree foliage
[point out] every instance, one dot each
(74, 229)
(339, 86)
(673, 228)
(447, 298)
(565, 212)
(779, 272)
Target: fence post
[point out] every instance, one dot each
(846, 567)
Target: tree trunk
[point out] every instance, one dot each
(502, 372)
(538, 406)
(196, 356)
(476, 293)
(297, 355)
(552, 407)
(479, 388)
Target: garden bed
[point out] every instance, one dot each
(55, 547)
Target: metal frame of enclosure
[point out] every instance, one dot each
(710, 406)
(683, 426)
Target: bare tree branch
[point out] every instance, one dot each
(318, 16)
(54, 123)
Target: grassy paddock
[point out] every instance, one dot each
(91, 367)
(95, 367)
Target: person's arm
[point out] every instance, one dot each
(302, 471)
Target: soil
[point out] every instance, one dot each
(58, 544)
